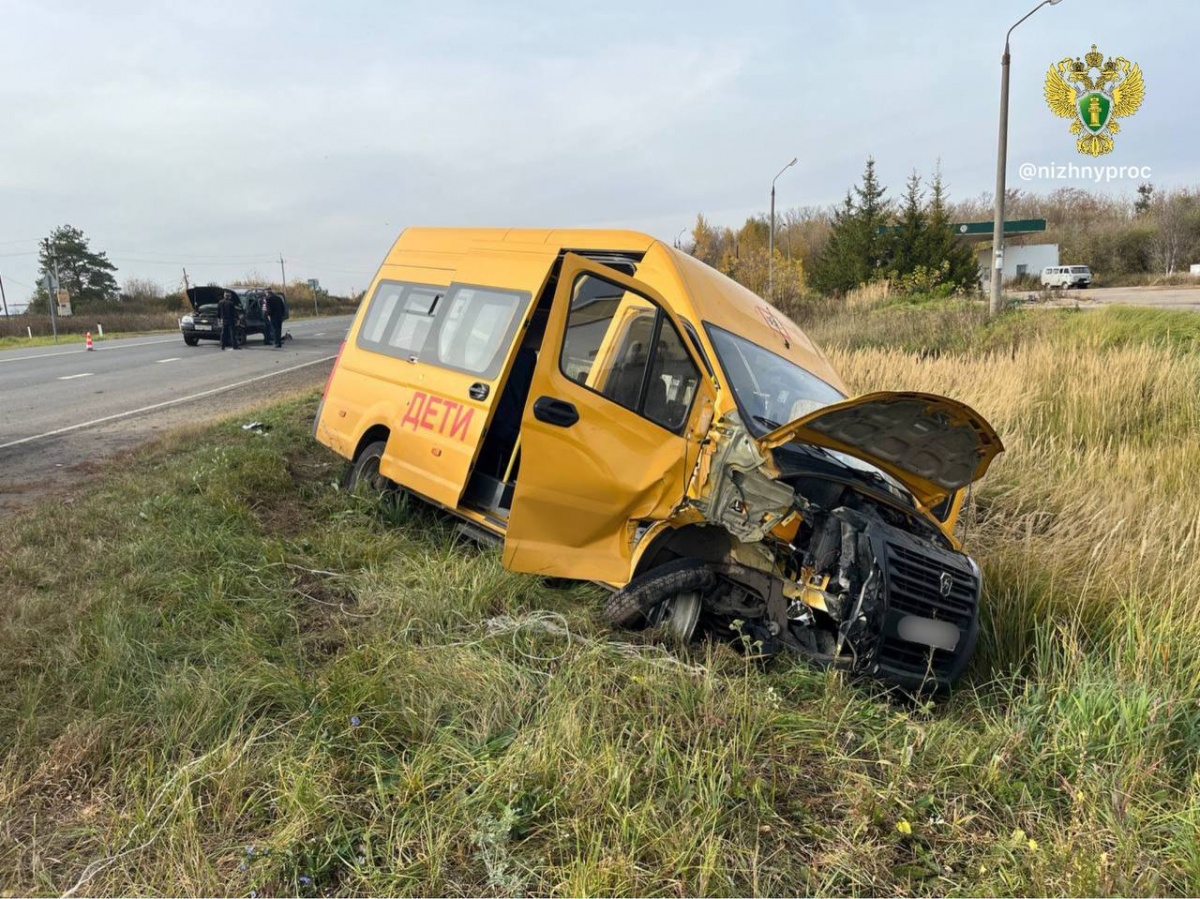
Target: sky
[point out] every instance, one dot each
(221, 135)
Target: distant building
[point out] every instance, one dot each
(1019, 259)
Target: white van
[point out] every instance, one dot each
(1066, 276)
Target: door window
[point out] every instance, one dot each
(399, 317)
(415, 320)
(622, 346)
(479, 321)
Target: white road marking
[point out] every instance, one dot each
(115, 343)
(86, 374)
(319, 334)
(163, 405)
(172, 359)
(100, 346)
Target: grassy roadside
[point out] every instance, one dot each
(71, 337)
(220, 674)
(120, 324)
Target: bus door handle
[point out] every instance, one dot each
(555, 412)
(478, 391)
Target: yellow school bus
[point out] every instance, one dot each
(612, 409)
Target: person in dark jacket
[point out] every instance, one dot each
(227, 310)
(275, 311)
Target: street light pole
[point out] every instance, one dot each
(52, 288)
(771, 248)
(997, 301)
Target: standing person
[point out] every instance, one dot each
(266, 317)
(275, 316)
(227, 310)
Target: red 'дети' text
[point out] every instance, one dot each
(435, 413)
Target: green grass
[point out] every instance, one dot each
(1119, 326)
(932, 327)
(123, 323)
(219, 673)
(64, 337)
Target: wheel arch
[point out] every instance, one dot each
(706, 542)
(369, 436)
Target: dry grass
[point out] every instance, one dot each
(868, 296)
(220, 674)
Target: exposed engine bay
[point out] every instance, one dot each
(827, 557)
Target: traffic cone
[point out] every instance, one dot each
(89, 341)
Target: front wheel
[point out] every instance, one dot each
(670, 594)
(190, 340)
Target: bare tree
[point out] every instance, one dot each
(1176, 219)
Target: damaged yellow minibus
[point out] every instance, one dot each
(612, 409)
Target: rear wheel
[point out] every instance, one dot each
(363, 475)
(240, 336)
(190, 340)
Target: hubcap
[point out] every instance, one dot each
(680, 613)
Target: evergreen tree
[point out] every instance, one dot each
(86, 275)
(942, 246)
(909, 241)
(857, 249)
(1145, 198)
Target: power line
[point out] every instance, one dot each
(329, 268)
(176, 262)
(191, 255)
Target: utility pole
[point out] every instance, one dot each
(3, 298)
(52, 288)
(282, 277)
(186, 288)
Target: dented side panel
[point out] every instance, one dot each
(586, 490)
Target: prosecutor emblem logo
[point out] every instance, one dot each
(1094, 92)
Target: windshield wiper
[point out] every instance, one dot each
(772, 425)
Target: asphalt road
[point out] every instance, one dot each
(1187, 298)
(1184, 298)
(64, 408)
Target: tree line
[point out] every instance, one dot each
(910, 243)
(89, 277)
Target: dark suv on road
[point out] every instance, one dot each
(203, 323)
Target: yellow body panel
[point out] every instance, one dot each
(602, 477)
(588, 498)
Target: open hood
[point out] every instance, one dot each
(930, 444)
(209, 295)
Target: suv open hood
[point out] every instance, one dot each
(931, 444)
(208, 295)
